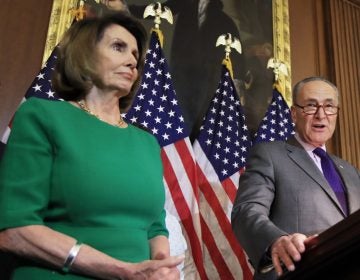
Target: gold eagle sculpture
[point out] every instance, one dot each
(156, 11)
(229, 42)
(278, 67)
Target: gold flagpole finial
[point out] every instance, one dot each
(229, 42)
(278, 66)
(156, 11)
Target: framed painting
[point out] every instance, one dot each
(189, 46)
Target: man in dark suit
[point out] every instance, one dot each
(284, 197)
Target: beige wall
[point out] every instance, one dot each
(308, 50)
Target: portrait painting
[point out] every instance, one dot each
(195, 61)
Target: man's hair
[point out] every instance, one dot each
(75, 72)
(298, 86)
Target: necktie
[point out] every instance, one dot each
(333, 178)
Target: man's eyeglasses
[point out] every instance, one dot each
(312, 109)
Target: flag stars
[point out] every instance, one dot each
(165, 136)
(50, 93)
(208, 142)
(137, 108)
(179, 130)
(168, 125)
(163, 98)
(171, 113)
(148, 113)
(37, 87)
(160, 109)
(40, 76)
(151, 102)
(144, 85)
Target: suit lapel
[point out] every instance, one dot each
(300, 157)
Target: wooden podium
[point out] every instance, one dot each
(335, 254)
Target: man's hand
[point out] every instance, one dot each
(288, 249)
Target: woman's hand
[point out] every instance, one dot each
(155, 269)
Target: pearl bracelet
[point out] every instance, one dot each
(71, 257)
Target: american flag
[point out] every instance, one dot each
(156, 108)
(277, 123)
(221, 150)
(40, 87)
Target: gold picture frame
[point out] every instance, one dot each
(60, 20)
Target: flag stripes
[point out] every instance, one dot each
(156, 107)
(220, 151)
